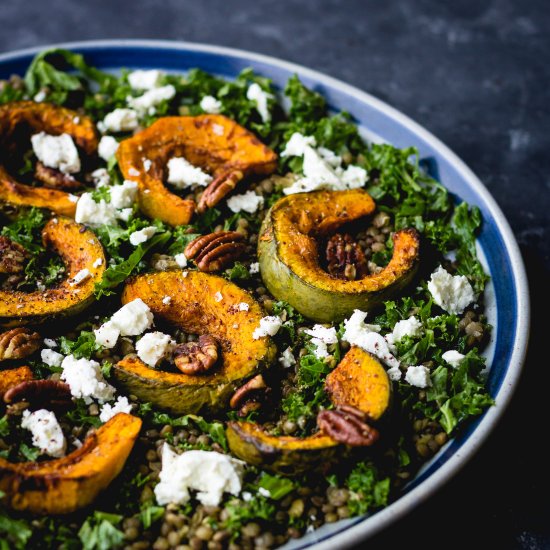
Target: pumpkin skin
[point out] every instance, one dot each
(289, 257)
(358, 380)
(79, 248)
(64, 485)
(194, 309)
(53, 120)
(215, 143)
(13, 377)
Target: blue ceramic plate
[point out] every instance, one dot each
(507, 297)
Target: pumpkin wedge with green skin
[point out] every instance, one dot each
(358, 380)
(195, 307)
(79, 249)
(13, 377)
(31, 118)
(214, 143)
(288, 254)
(64, 485)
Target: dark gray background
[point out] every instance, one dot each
(477, 74)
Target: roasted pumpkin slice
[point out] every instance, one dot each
(284, 455)
(360, 380)
(214, 143)
(200, 303)
(80, 250)
(289, 257)
(66, 484)
(23, 118)
(13, 377)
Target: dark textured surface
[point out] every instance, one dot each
(474, 72)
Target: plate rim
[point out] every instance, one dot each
(372, 525)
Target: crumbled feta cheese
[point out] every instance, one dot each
(166, 300)
(209, 104)
(145, 80)
(287, 359)
(269, 326)
(182, 174)
(85, 379)
(453, 358)
(122, 405)
(209, 473)
(218, 296)
(120, 120)
(151, 98)
(133, 318)
(50, 342)
(94, 214)
(154, 346)
(247, 202)
(73, 198)
(107, 335)
(97, 262)
(107, 148)
(453, 293)
(407, 327)
(321, 336)
(47, 434)
(297, 144)
(51, 357)
(124, 196)
(180, 259)
(243, 306)
(418, 376)
(125, 214)
(147, 163)
(57, 152)
(254, 268)
(394, 373)
(40, 96)
(143, 235)
(264, 492)
(82, 275)
(101, 177)
(260, 98)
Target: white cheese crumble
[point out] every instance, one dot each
(57, 152)
(287, 359)
(418, 376)
(107, 148)
(394, 373)
(453, 293)
(453, 358)
(122, 405)
(51, 357)
(85, 379)
(145, 80)
(107, 335)
(73, 198)
(97, 262)
(260, 99)
(254, 268)
(133, 318)
(247, 202)
(154, 346)
(101, 177)
(81, 276)
(321, 337)
(180, 259)
(218, 297)
(166, 300)
(269, 326)
(151, 98)
(407, 327)
(50, 342)
(182, 174)
(243, 306)
(209, 473)
(209, 104)
(40, 96)
(119, 120)
(94, 214)
(322, 168)
(147, 163)
(46, 432)
(124, 196)
(143, 235)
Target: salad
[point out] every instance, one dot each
(226, 322)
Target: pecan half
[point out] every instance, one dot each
(347, 425)
(18, 343)
(345, 259)
(216, 250)
(249, 392)
(196, 357)
(39, 394)
(218, 189)
(55, 179)
(12, 256)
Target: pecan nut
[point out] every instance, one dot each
(49, 394)
(345, 258)
(12, 256)
(347, 425)
(197, 357)
(249, 392)
(55, 179)
(218, 189)
(216, 250)
(18, 343)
